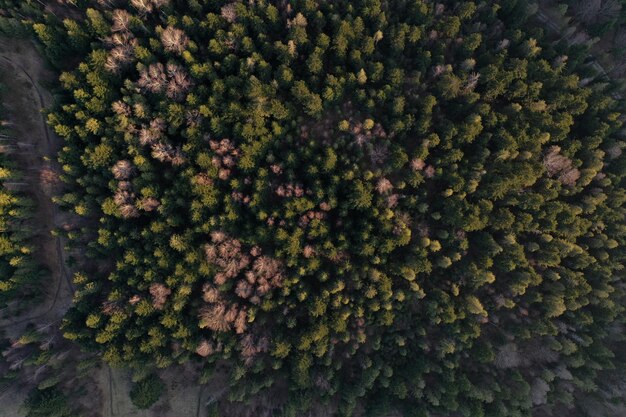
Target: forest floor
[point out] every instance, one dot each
(605, 62)
(22, 72)
(183, 396)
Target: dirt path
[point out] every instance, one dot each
(183, 396)
(22, 71)
(115, 385)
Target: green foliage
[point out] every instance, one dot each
(20, 273)
(49, 402)
(147, 391)
(354, 198)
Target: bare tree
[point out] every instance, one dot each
(148, 204)
(105, 3)
(121, 108)
(229, 12)
(248, 347)
(379, 154)
(112, 65)
(121, 20)
(244, 289)
(417, 164)
(308, 251)
(148, 136)
(122, 54)
(241, 322)
(159, 294)
(121, 39)
(178, 157)
(472, 81)
(560, 166)
(205, 348)
(174, 40)
(128, 211)
(158, 124)
(468, 64)
(153, 79)
(213, 317)
(122, 197)
(125, 186)
(298, 21)
(503, 44)
(123, 170)
(162, 151)
(178, 85)
(384, 186)
(210, 294)
(597, 11)
(148, 6)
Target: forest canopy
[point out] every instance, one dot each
(372, 205)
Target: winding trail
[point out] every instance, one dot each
(22, 71)
(35, 160)
(51, 152)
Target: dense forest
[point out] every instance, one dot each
(352, 207)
